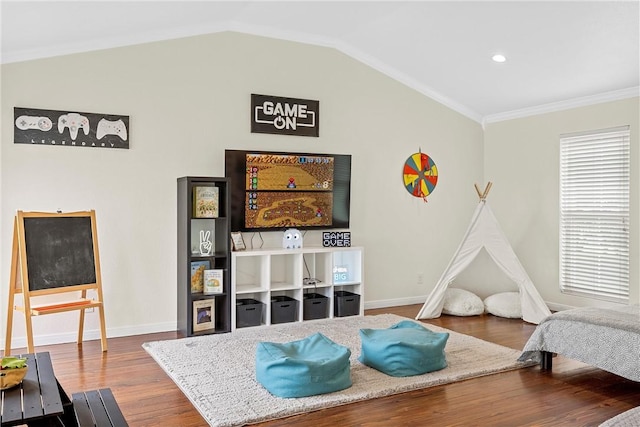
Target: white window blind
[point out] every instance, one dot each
(594, 214)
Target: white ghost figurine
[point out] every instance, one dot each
(292, 239)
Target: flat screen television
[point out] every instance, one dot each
(277, 190)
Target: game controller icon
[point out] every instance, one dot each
(34, 122)
(73, 121)
(109, 127)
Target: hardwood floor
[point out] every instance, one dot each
(573, 394)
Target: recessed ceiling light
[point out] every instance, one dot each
(499, 58)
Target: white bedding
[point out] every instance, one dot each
(608, 339)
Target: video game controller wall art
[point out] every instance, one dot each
(70, 128)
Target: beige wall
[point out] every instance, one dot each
(522, 155)
(188, 100)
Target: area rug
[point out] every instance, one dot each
(217, 372)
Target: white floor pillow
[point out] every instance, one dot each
(504, 304)
(459, 302)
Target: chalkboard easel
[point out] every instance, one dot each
(54, 253)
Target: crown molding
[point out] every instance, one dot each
(584, 101)
(112, 42)
(345, 48)
(234, 26)
(359, 56)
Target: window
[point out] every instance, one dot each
(594, 214)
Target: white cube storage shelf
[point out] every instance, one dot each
(265, 273)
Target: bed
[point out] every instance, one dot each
(608, 339)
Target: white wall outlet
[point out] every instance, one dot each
(420, 278)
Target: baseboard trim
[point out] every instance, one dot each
(394, 302)
(558, 307)
(93, 334)
(420, 300)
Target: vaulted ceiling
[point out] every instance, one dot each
(559, 54)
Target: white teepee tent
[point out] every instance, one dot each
(485, 232)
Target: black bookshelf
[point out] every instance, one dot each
(217, 231)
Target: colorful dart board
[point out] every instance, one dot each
(420, 175)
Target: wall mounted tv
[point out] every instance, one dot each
(277, 190)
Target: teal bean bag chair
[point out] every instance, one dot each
(310, 366)
(403, 350)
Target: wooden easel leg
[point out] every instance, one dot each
(10, 308)
(29, 324)
(100, 297)
(27, 317)
(103, 329)
(83, 295)
(13, 284)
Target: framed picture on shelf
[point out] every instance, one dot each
(237, 241)
(204, 315)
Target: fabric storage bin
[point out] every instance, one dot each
(315, 306)
(283, 309)
(346, 304)
(248, 312)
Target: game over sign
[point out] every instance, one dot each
(284, 116)
(336, 239)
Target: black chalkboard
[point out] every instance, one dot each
(59, 252)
